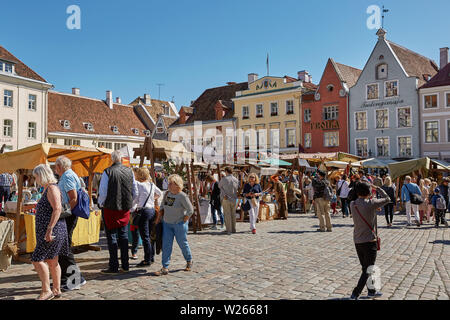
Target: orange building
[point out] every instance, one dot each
(325, 110)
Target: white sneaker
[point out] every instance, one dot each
(214, 228)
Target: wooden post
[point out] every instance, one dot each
(21, 173)
(196, 202)
(151, 157)
(191, 197)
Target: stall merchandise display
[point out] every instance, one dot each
(7, 247)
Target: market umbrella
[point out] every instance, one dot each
(276, 162)
(376, 163)
(337, 164)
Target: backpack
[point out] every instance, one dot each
(440, 203)
(352, 195)
(82, 208)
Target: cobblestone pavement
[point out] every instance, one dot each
(286, 259)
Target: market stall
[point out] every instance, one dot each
(85, 162)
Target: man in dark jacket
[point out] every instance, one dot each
(117, 190)
(215, 201)
(444, 191)
(322, 203)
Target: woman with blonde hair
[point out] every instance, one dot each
(423, 208)
(176, 209)
(147, 194)
(252, 192)
(389, 208)
(51, 234)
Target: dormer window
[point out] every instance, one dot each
(65, 124)
(88, 126)
(147, 133)
(166, 110)
(160, 128)
(6, 67)
(135, 131)
(115, 129)
(330, 87)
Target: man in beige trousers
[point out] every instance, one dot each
(322, 205)
(229, 186)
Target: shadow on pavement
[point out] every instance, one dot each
(294, 232)
(440, 242)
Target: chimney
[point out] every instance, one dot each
(76, 91)
(147, 99)
(118, 100)
(109, 99)
(444, 57)
(252, 77)
(304, 76)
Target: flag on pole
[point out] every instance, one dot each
(267, 63)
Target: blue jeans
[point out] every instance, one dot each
(145, 227)
(134, 241)
(179, 231)
(118, 238)
(344, 203)
(219, 212)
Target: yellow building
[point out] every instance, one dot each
(268, 113)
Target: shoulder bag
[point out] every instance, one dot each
(414, 198)
(375, 234)
(137, 214)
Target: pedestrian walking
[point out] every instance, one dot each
(423, 208)
(308, 190)
(410, 189)
(69, 184)
(439, 204)
(389, 208)
(147, 194)
(6, 183)
(229, 186)
(445, 191)
(365, 231)
(176, 209)
(322, 197)
(134, 230)
(280, 195)
(214, 196)
(343, 188)
(116, 194)
(252, 192)
(51, 234)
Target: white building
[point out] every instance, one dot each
(23, 104)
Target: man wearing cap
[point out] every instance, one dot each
(322, 205)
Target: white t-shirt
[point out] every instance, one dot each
(344, 190)
(143, 191)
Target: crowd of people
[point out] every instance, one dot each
(159, 212)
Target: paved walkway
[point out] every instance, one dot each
(286, 259)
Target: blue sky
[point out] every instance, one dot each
(131, 46)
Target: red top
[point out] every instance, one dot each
(116, 219)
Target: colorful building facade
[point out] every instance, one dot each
(325, 110)
(268, 113)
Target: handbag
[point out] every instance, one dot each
(246, 206)
(375, 234)
(65, 212)
(414, 198)
(137, 214)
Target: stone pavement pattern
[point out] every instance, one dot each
(286, 259)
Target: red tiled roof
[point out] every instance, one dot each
(347, 74)
(20, 68)
(79, 110)
(204, 106)
(310, 85)
(442, 78)
(188, 110)
(414, 63)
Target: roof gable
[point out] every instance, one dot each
(20, 68)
